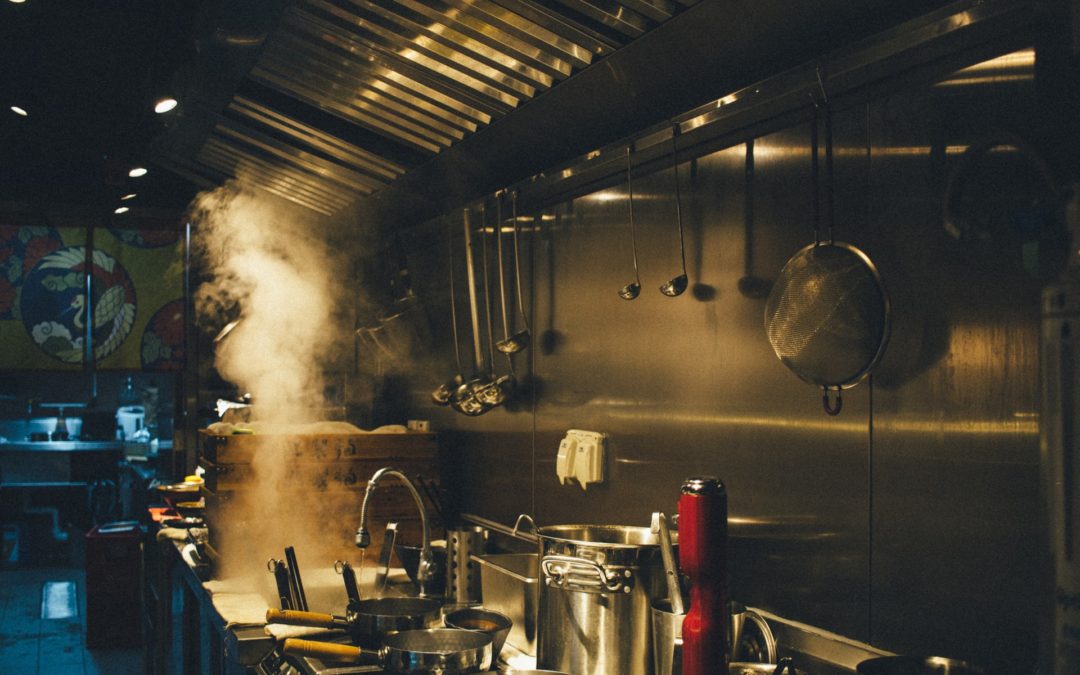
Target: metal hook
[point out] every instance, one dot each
(831, 409)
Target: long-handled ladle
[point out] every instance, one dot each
(441, 396)
(632, 289)
(677, 285)
(510, 344)
(464, 398)
(522, 335)
(494, 393)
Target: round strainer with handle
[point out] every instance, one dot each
(827, 316)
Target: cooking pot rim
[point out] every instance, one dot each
(641, 537)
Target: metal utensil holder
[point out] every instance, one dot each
(463, 573)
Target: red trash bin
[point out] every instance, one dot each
(114, 585)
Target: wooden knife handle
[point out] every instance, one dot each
(322, 650)
(292, 617)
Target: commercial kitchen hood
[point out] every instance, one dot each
(397, 110)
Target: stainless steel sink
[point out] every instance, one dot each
(26, 463)
(22, 430)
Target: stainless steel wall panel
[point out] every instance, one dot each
(956, 407)
(911, 519)
(689, 385)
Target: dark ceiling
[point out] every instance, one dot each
(392, 110)
(86, 72)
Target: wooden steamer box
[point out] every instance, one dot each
(255, 483)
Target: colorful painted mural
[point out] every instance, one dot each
(135, 320)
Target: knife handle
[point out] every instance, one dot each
(348, 575)
(281, 579)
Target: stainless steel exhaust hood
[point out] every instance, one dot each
(398, 109)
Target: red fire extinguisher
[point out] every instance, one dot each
(703, 558)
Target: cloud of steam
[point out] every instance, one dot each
(290, 279)
(272, 263)
(273, 266)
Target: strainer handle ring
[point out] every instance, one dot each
(831, 409)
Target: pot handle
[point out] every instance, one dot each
(585, 575)
(331, 651)
(517, 524)
(766, 635)
(300, 618)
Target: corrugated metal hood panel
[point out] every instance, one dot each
(399, 100)
(406, 79)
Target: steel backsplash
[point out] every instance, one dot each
(911, 520)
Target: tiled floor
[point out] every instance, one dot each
(30, 644)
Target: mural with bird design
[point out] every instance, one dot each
(54, 307)
(135, 314)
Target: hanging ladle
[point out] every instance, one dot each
(510, 344)
(631, 290)
(494, 393)
(523, 335)
(442, 395)
(677, 285)
(464, 399)
(750, 286)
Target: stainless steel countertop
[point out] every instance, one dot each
(61, 446)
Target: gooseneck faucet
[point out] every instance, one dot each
(425, 571)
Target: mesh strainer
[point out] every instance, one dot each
(827, 316)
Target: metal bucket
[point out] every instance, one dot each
(598, 582)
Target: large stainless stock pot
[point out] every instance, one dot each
(597, 583)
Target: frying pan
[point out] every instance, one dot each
(367, 621)
(446, 651)
(827, 316)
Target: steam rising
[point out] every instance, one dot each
(271, 265)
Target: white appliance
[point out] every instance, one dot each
(130, 419)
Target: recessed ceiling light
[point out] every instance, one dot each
(19, 111)
(122, 209)
(17, 2)
(164, 105)
(130, 195)
(137, 172)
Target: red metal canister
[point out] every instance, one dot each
(703, 558)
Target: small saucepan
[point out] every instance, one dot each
(446, 651)
(368, 621)
(490, 622)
